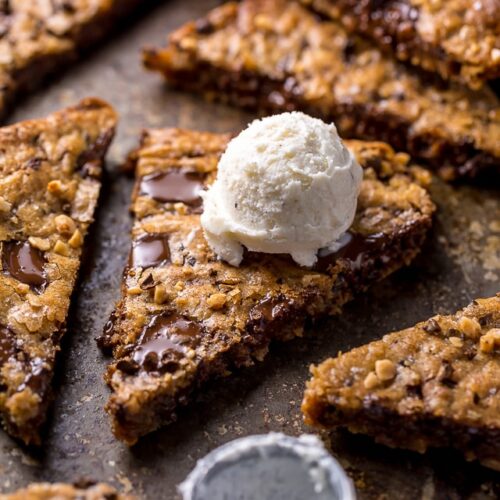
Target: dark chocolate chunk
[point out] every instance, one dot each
(38, 378)
(174, 186)
(271, 310)
(150, 250)
(432, 326)
(25, 263)
(89, 162)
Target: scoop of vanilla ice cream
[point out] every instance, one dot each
(286, 184)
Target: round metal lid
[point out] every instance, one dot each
(269, 467)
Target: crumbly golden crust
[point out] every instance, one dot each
(61, 491)
(186, 317)
(38, 38)
(50, 173)
(277, 55)
(459, 39)
(433, 385)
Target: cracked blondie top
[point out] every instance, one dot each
(277, 55)
(186, 317)
(60, 491)
(459, 39)
(50, 173)
(436, 384)
(39, 37)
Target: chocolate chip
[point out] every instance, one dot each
(349, 50)
(484, 320)
(34, 163)
(24, 263)
(128, 366)
(415, 391)
(148, 283)
(94, 153)
(150, 250)
(445, 375)
(5, 7)
(432, 326)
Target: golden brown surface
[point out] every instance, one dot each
(49, 184)
(60, 491)
(276, 55)
(459, 39)
(433, 385)
(39, 37)
(218, 317)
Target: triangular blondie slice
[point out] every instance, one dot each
(50, 173)
(458, 39)
(186, 317)
(276, 55)
(41, 37)
(436, 384)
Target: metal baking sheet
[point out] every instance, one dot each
(459, 262)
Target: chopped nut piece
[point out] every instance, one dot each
(5, 206)
(469, 326)
(216, 301)
(180, 208)
(76, 240)
(179, 286)
(55, 187)
(188, 43)
(22, 288)
(61, 248)
(264, 22)
(64, 224)
(385, 369)
(490, 340)
(371, 381)
(160, 295)
(456, 341)
(181, 301)
(40, 243)
(235, 294)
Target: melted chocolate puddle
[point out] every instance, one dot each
(24, 263)
(355, 248)
(272, 308)
(174, 186)
(150, 250)
(162, 342)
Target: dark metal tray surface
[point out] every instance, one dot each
(460, 261)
